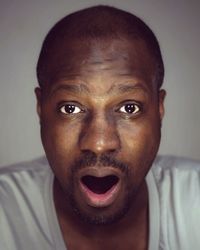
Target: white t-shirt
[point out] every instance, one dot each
(28, 218)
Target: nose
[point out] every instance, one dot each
(100, 136)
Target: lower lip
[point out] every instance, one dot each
(100, 200)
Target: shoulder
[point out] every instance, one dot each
(23, 185)
(173, 167)
(34, 167)
(24, 175)
(178, 184)
(35, 164)
(177, 180)
(25, 196)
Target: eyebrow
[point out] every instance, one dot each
(128, 87)
(116, 88)
(70, 87)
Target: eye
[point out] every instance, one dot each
(70, 109)
(130, 108)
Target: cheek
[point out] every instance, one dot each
(140, 134)
(59, 140)
(139, 146)
(140, 141)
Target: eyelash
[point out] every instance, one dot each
(122, 109)
(72, 107)
(137, 108)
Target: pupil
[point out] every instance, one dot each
(69, 108)
(130, 108)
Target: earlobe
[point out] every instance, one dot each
(162, 94)
(38, 98)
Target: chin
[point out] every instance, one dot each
(101, 216)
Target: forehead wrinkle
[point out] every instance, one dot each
(126, 88)
(71, 87)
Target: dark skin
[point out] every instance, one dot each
(109, 76)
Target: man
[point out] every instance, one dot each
(100, 105)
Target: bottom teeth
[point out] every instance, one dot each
(99, 185)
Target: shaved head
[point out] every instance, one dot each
(100, 109)
(95, 24)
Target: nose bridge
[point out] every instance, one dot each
(100, 135)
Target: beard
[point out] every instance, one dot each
(104, 215)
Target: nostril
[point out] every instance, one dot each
(99, 185)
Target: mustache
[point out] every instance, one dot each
(89, 159)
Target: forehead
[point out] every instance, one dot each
(102, 58)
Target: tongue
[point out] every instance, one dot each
(99, 185)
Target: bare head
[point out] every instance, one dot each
(100, 108)
(91, 25)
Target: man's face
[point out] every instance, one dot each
(100, 124)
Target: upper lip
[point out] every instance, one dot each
(97, 171)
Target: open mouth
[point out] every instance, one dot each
(99, 191)
(99, 185)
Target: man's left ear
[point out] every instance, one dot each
(162, 94)
(38, 95)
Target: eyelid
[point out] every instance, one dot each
(62, 109)
(75, 103)
(72, 103)
(139, 105)
(126, 102)
(137, 109)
